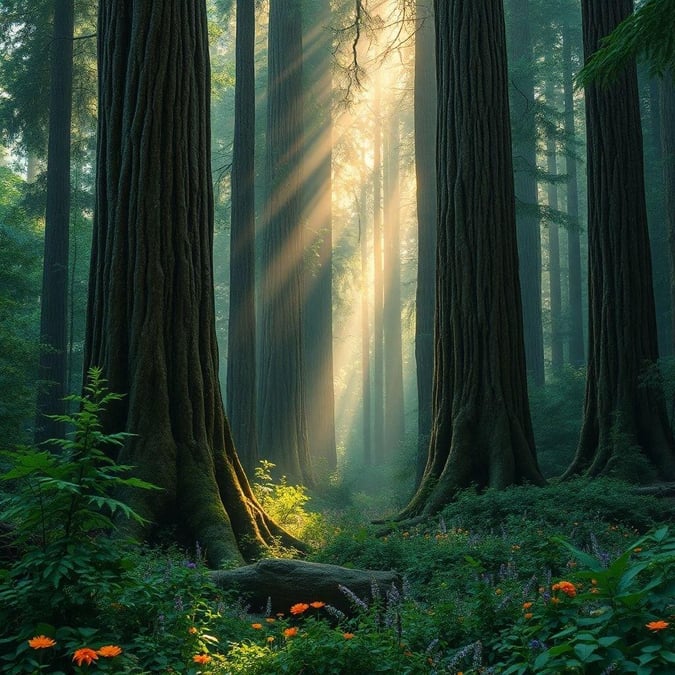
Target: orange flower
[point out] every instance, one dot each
(256, 626)
(637, 549)
(299, 608)
(192, 630)
(347, 636)
(290, 632)
(567, 587)
(108, 651)
(657, 625)
(41, 642)
(317, 604)
(555, 601)
(528, 615)
(269, 619)
(201, 658)
(527, 605)
(85, 655)
(270, 639)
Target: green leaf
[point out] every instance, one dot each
(584, 650)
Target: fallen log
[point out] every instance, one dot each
(287, 582)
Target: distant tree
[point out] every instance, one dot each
(282, 428)
(151, 322)
(318, 214)
(525, 171)
(575, 329)
(241, 337)
(667, 115)
(53, 368)
(482, 432)
(425, 173)
(624, 407)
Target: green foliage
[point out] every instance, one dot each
(648, 33)
(62, 516)
(556, 411)
(286, 505)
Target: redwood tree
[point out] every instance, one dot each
(482, 433)
(54, 298)
(151, 321)
(622, 409)
(241, 336)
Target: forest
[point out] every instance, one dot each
(337, 336)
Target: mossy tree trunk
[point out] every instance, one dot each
(482, 433)
(151, 322)
(624, 407)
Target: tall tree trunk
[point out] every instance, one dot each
(621, 410)
(378, 285)
(283, 426)
(53, 365)
(554, 249)
(482, 432)
(241, 337)
(393, 354)
(524, 167)
(425, 171)
(318, 319)
(367, 394)
(151, 317)
(576, 326)
(667, 112)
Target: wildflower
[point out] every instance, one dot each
(201, 658)
(498, 591)
(527, 605)
(567, 587)
(85, 655)
(290, 632)
(299, 608)
(256, 626)
(41, 642)
(347, 636)
(270, 619)
(270, 639)
(109, 651)
(657, 625)
(528, 615)
(637, 549)
(554, 600)
(317, 604)
(192, 630)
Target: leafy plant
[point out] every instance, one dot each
(62, 518)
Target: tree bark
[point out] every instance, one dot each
(53, 364)
(482, 432)
(151, 319)
(283, 424)
(667, 113)
(623, 411)
(241, 336)
(318, 319)
(425, 172)
(577, 355)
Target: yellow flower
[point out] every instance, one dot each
(290, 632)
(637, 549)
(554, 600)
(201, 658)
(270, 638)
(498, 591)
(299, 608)
(347, 636)
(317, 604)
(108, 651)
(657, 625)
(85, 655)
(41, 642)
(256, 626)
